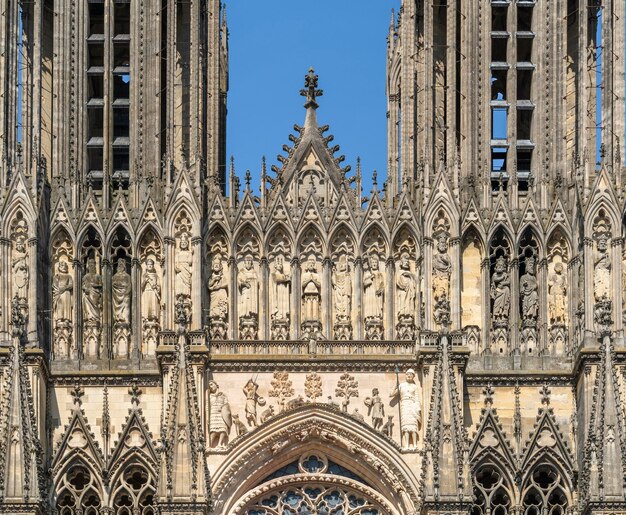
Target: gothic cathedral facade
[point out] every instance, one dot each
(452, 341)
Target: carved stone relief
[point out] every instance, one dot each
(558, 297)
(220, 418)
(373, 297)
(342, 298)
(529, 305)
(409, 394)
(250, 390)
(20, 265)
(500, 293)
(375, 409)
(406, 291)
(92, 309)
(121, 289)
(311, 298)
(218, 298)
(151, 295)
(248, 286)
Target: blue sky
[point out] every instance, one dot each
(273, 43)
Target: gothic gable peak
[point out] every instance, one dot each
(501, 215)
(311, 164)
(91, 213)
(344, 213)
(530, 216)
(602, 189)
(472, 216)
(375, 212)
(151, 214)
(490, 438)
(546, 437)
(405, 213)
(248, 211)
(559, 216)
(181, 192)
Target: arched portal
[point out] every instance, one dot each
(314, 460)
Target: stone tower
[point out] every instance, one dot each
(451, 341)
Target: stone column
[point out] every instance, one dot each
(455, 283)
(233, 292)
(197, 283)
(264, 292)
(5, 289)
(296, 294)
(357, 306)
(616, 281)
(169, 286)
(514, 313)
(77, 335)
(485, 344)
(427, 298)
(589, 298)
(543, 338)
(326, 308)
(107, 322)
(33, 315)
(136, 334)
(389, 312)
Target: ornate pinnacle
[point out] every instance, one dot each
(310, 90)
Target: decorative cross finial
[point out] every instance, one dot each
(545, 395)
(488, 392)
(135, 392)
(310, 90)
(77, 394)
(248, 179)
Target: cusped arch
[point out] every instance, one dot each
(315, 428)
(275, 229)
(530, 230)
(311, 230)
(441, 208)
(18, 206)
(247, 231)
(411, 229)
(601, 208)
(87, 231)
(189, 211)
(493, 485)
(374, 228)
(501, 229)
(77, 478)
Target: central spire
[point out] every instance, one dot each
(310, 90)
(311, 93)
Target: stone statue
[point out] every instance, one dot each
(121, 288)
(410, 409)
(501, 291)
(150, 292)
(375, 408)
(311, 291)
(602, 270)
(92, 294)
(182, 266)
(374, 290)
(387, 429)
(557, 292)
(218, 290)
(442, 269)
(281, 283)
(342, 289)
(220, 418)
(252, 399)
(240, 427)
(20, 271)
(406, 284)
(62, 291)
(248, 283)
(528, 291)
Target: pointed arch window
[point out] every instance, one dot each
(491, 493)
(78, 492)
(545, 492)
(134, 494)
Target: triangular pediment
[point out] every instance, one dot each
(78, 440)
(491, 439)
(546, 438)
(134, 440)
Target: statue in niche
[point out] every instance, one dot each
(406, 284)
(252, 400)
(280, 299)
(374, 290)
(311, 292)
(248, 289)
(342, 289)
(557, 293)
(442, 269)
(182, 266)
(410, 409)
(602, 270)
(375, 408)
(220, 418)
(528, 290)
(150, 292)
(218, 290)
(20, 272)
(62, 308)
(281, 283)
(501, 291)
(92, 293)
(120, 292)
(62, 290)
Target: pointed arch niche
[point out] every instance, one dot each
(471, 289)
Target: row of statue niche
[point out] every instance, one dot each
(501, 292)
(311, 292)
(92, 300)
(407, 393)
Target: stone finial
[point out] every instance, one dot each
(488, 392)
(310, 90)
(545, 395)
(135, 392)
(77, 393)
